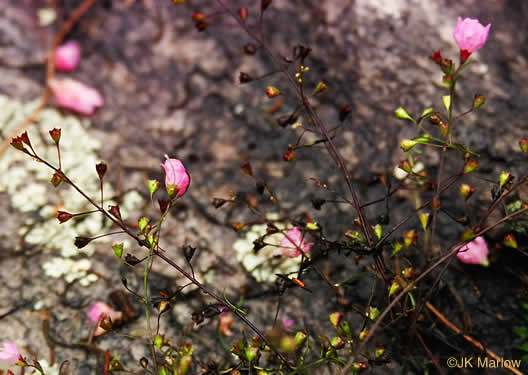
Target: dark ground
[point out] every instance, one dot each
(171, 90)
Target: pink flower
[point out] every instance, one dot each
(76, 96)
(470, 35)
(292, 242)
(10, 355)
(474, 252)
(288, 323)
(99, 311)
(67, 56)
(176, 177)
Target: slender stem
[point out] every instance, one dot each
(315, 118)
(411, 285)
(159, 252)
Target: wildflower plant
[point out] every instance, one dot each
(289, 248)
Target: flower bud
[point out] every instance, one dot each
(478, 101)
(320, 88)
(153, 186)
(163, 306)
(402, 114)
(272, 92)
(159, 341)
(198, 17)
(143, 225)
(18, 144)
(435, 119)
(436, 57)
(372, 313)
(300, 338)
(288, 156)
(378, 231)
(363, 334)
(118, 249)
(63, 216)
(394, 288)
(447, 67)
(426, 112)
(407, 144)
(471, 166)
(446, 99)
(101, 170)
(176, 177)
(510, 241)
(185, 364)
(25, 138)
(287, 343)
(410, 237)
(504, 179)
(131, 259)
(523, 144)
(81, 242)
(56, 179)
(444, 128)
(243, 13)
(337, 342)
(252, 353)
(336, 318)
(115, 211)
(396, 248)
(237, 227)
(55, 135)
(425, 219)
(466, 191)
(408, 273)
(359, 366)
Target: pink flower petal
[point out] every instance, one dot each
(474, 252)
(470, 35)
(176, 177)
(10, 355)
(67, 56)
(98, 311)
(292, 241)
(76, 96)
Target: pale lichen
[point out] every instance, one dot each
(27, 184)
